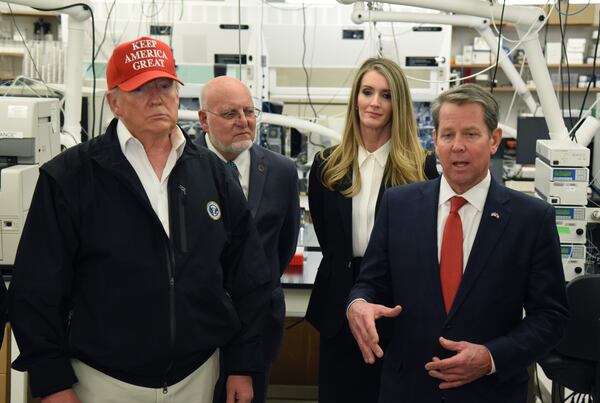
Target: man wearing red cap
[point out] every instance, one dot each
(139, 258)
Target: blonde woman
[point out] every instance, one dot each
(379, 149)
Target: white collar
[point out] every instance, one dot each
(125, 138)
(242, 158)
(476, 196)
(380, 155)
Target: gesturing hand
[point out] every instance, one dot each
(361, 318)
(471, 362)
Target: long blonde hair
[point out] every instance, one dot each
(405, 163)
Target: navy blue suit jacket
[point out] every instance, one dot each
(514, 264)
(275, 205)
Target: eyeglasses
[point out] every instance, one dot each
(249, 113)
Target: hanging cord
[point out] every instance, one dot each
(85, 6)
(493, 83)
(593, 77)
(240, 39)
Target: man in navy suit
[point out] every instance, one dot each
(460, 336)
(270, 183)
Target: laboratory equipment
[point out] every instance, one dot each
(28, 138)
(561, 185)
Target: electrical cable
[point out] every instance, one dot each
(563, 34)
(312, 57)
(261, 90)
(239, 4)
(137, 35)
(526, 36)
(395, 43)
(153, 4)
(12, 14)
(307, 76)
(307, 81)
(547, 15)
(105, 28)
(567, 14)
(576, 125)
(493, 83)
(515, 93)
(180, 12)
(593, 76)
(85, 7)
(23, 78)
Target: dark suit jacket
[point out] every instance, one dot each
(275, 204)
(515, 263)
(331, 214)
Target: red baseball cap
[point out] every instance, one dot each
(134, 63)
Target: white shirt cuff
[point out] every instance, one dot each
(353, 301)
(493, 371)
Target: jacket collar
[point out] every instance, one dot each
(106, 151)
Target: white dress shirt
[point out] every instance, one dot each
(470, 217)
(371, 166)
(470, 213)
(156, 188)
(242, 161)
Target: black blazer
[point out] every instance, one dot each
(275, 205)
(331, 214)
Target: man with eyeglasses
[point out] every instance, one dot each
(270, 183)
(139, 258)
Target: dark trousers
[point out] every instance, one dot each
(343, 374)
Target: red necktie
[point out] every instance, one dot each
(451, 257)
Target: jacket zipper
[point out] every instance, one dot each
(171, 272)
(172, 322)
(182, 227)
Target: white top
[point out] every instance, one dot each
(156, 188)
(242, 161)
(470, 213)
(371, 167)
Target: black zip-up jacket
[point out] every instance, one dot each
(97, 278)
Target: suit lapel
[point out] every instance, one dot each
(345, 209)
(494, 218)
(379, 196)
(258, 175)
(426, 214)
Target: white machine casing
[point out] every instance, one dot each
(29, 137)
(573, 260)
(561, 185)
(563, 153)
(571, 224)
